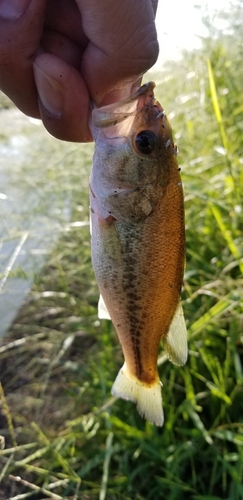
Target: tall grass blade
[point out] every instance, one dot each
(227, 235)
(216, 107)
(105, 476)
(8, 416)
(223, 305)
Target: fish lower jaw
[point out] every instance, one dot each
(147, 397)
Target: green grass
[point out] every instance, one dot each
(66, 437)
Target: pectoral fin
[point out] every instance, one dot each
(102, 309)
(175, 341)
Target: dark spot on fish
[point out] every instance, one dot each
(145, 272)
(130, 275)
(92, 192)
(132, 260)
(133, 321)
(127, 286)
(145, 316)
(132, 295)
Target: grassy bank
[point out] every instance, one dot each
(66, 437)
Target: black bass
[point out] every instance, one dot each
(138, 241)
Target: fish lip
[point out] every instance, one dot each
(144, 89)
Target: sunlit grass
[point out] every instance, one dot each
(66, 437)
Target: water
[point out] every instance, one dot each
(34, 205)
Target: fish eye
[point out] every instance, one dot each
(145, 142)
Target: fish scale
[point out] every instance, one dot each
(138, 241)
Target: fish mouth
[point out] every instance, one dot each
(113, 114)
(146, 89)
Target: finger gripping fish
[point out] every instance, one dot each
(138, 241)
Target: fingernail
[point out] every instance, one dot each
(50, 92)
(13, 9)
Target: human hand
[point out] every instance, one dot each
(56, 55)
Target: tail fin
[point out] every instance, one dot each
(147, 398)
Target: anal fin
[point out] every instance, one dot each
(102, 309)
(175, 341)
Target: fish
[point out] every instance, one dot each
(138, 241)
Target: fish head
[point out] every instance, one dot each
(132, 159)
(120, 122)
